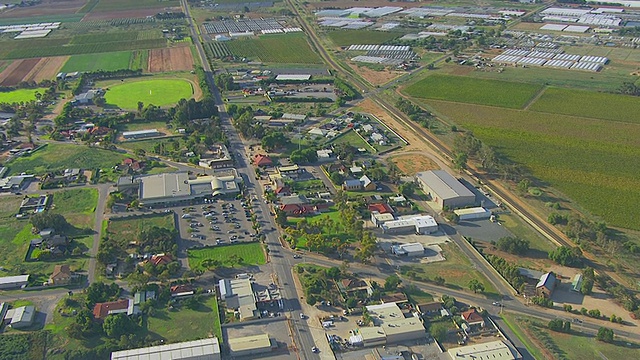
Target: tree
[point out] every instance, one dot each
(117, 325)
(475, 286)
(333, 273)
(138, 279)
(524, 185)
(352, 303)
(391, 282)
(556, 325)
(439, 280)
(605, 335)
(47, 219)
(407, 189)
(311, 299)
(337, 178)
(513, 245)
(101, 292)
(460, 161)
(566, 256)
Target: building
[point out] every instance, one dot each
(10, 282)
(140, 134)
(238, 295)
(325, 155)
(379, 219)
(421, 225)
(250, 345)
(391, 326)
(216, 157)
(262, 160)
(15, 183)
(475, 213)
(546, 285)
(290, 172)
(204, 349)
(87, 97)
(21, 317)
(430, 309)
(408, 250)
(380, 208)
(367, 184)
(495, 350)
(181, 290)
(473, 318)
(394, 298)
(576, 283)
(122, 306)
(444, 189)
(351, 286)
(352, 185)
(34, 204)
(143, 296)
(62, 275)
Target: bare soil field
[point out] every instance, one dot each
(374, 77)
(412, 163)
(170, 59)
(46, 7)
(15, 72)
(46, 68)
(108, 15)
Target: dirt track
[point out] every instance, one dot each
(46, 68)
(170, 59)
(15, 72)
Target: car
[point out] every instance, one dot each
(194, 236)
(315, 350)
(302, 316)
(297, 256)
(495, 303)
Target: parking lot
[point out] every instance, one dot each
(215, 223)
(277, 329)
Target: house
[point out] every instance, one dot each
(352, 185)
(356, 170)
(472, 317)
(367, 128)
(160, 259)
(367, 184)
(20, 317)
(262, 160)
(325, 155)
(380, 208)
(71, 173)
(132, 164)
(303, 209)
(291, 171)
(87, 97)
(143, 296)
(395, 298)
(56, 241)
(34, 204)
(181, 290)
(379, 219)
(216, 157)
(429, 309)
(61, 275)
(283, 191)
(398, 200)
(122, 306)
(349, 286)
(546, 285)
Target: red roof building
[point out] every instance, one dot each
(262, 160)
(101, 310)
(283, 191)
(161, 259)
(381, 208)
(472, 317)
(181, 290)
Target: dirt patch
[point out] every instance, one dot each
(462, 70)
(46, 7)
(46, 69)
(18, 70)
(375, 77)
(170, 59)
(412, 163)
(108, 15)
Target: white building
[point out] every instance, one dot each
(21, 317)
(17, 281)
(141, 134)
(390, 327)
(421, 224)
(475, 213)
(238, 295)
(444, 189)
(204, 349)
(495, 350)
(409, 250)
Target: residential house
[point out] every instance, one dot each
(325, 155)
(21, 317)
(181, 290)
(352, 185)
(34, 204)
(282, 191)
(291, 172)
(430, 309)
(217, 156)
(546, 285)
(356, 170)
(122, 306)
(160, 259)
(396, 298)
(132, 164)
(62, 275)
(262, 160)
(367, 184)
(352, 286)
(473, 318)
(380, 208)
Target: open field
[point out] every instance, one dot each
(127, 229)
(368, 37)
(19, 95)
(249, 253)
(291, 48)
(187, 324)
(64, 156)
(580, 157)
(589, 104)
(76, 205)
(159, 92)
(474, 91)
(170, 59)
(92, 62)
(352, 139)
(410, 164)
(9, 225)
(46, 69)
(122, 5)
(456, 270)
(15, 72)
(35, 48)
(44, 8)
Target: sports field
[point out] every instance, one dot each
(248, 254)
(475, 91)
(20, 95)
(92, 62)
(159, 92)
(367, 37)
(291, 48)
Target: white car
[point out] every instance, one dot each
(315, 349)
(302, 316)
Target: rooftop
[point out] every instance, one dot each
(184, 350)
(249, 342)
(13, 279)
(547, 280)
(445, 185)
(495, 350)
(164, 185)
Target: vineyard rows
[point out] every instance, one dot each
(73, 49)
(218, 50)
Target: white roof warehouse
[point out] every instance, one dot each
(444, 189)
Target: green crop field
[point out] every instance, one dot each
(351, 37)
(589, 104)
(291, 48)
(32, 48)
(91, 62)
(474, 91)
(139, 60)
(20, 95)
(119, 5)
(159, 92)
(250, 253)
(64, 156)
(592, 161)
(65, 18)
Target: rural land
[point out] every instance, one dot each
(336, 179)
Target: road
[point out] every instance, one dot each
(103, 192)
(282, 266)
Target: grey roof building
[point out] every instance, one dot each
(204, 349)
(20, 318)
(17, 281)
(444, 189)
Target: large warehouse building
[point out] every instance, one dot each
(391, 326)
(444, 189)
(204, 349)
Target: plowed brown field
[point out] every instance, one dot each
(170, 59)
(15, 72)
(46, 68)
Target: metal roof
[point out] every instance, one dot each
(14, 279)
(443, 184)
(202, 349)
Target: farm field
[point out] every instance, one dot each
(46, 69)
(578, 156)
(170, 59)
(63, 156)
(187, 324)
(249, 253)
(91, 62)
(290, 48)
(128, 228)
(475, 91)
(366, 37)
(44, 10)
(15, 72)
(122, 5)
(589, 104)
(217, 50)
(159, 92)
(19, 95)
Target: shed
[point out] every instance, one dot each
(444, 189)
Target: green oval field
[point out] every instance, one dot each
(20, 95)
(159, 92)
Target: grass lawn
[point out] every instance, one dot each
(593, 104)
(159, 92)
(456, 271)
(187, 324)
(127, 229)
(90, 62)
(368, 37)
(351, 138)
(475, 91)
(251, 254)
(291, 48)
(331, 229)
(77, 206)
(57, 156)
(20, 95)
